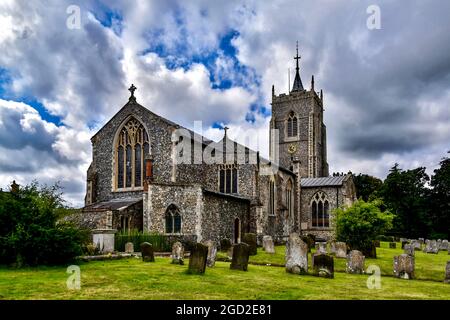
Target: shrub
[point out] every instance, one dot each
(361, 223)
(30, 233)
(158, 241)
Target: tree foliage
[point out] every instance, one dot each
(30, 233)
(359, 224)
(367, 187)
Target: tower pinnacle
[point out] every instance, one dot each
(298, 86)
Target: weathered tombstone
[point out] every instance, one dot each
(341, 250)
(355, 262)
(268, 244)
(409, 250)
(444, 245)
(197, 259)
(129, 247)
(310, 240)
(416, 244)
(376, 243)
(177, 253)
(323, 265)
(296, 255)
(404, 266)
(212, 253)
(431, 247)
(250, 239)
(321, 247)
(147, 252)
(225, 244)
(241, 254)
(447, 273)
(392, 245)
(230, 253)
(404, 242)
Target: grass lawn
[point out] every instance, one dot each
(133, 279)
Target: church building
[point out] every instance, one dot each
(151, 174)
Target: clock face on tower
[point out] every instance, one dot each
(292, 148)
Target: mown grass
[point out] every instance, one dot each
(134, 279)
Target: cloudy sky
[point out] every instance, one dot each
(386, 90)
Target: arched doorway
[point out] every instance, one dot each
(237, 231)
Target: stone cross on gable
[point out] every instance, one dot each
(132, 89)
(225, 129)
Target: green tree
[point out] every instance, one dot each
(367, 187)
(30, 233)
(359, 224)
(406, 195)
(439, 215)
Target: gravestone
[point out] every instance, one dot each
(230, 253)
(250, 239)
(409, 250)
(447, 273)
(197, 259)
(340, 249)
(310, 240)
(321, 247)
(431, 247)
(212, 253)
(268, 244)
(392, 245)
(444, 245)
(421, 240)
(225, 244)
(404, 242)
(355, 262)
(404, 266)
(323, 265)
(416, 244)
(147, 252)
(241, 254)
(376, 243)
(129, 247)
(177, 253)
(296, 255)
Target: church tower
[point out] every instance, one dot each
(298, 116)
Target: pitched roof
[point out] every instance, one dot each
(115, 204)
(323, 181)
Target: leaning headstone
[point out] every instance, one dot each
(409, 250)
(431, 247)
(392, 245)
(355, 262)
(444, 245)
(340, 249)
(404, 266)
(323, 265)
(225, 244)
(197, 259)
(177, 253)
(447, 273)
(296, 255)
(129, 247)
(321, 247)
(268, 244)
(250, 239)
(147, 252)
(241, 254)
(212, 253)
(376, 243)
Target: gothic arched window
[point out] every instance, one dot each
(228, 178)
(292, 127)
(173, 219)
(131, 147)
(320, 206)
